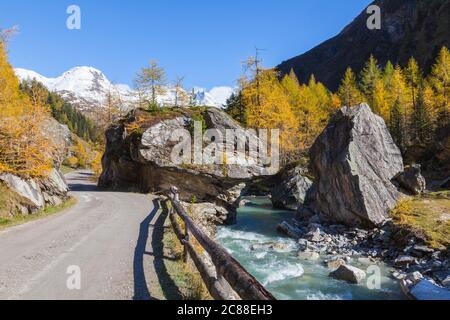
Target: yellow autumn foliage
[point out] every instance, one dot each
(24, 148)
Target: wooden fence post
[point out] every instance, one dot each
(186, 239)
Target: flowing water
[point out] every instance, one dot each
(281, 271)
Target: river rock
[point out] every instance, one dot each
(315, 235)
(290, 230)
(309, 255)
(354, 161)
(291, 191)
(424, 290)
(275, 246)
(335, 263)
(412, 180)
(349, 274)
(405, 261)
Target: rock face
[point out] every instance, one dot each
(37, 193)
(354, 160)
(412, 180)
(61, 138)
(141, 161)
(292, 190)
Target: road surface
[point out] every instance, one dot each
(108, 246)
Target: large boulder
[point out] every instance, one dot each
(354, 161)
(138, 157)
(349, 274)
(292, 190)
(412, 180)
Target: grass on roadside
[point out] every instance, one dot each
(428, 214)
(66, 169)
(6, 222)
(185, 276)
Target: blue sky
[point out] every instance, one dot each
(203, 40)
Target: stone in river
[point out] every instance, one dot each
(349, 274)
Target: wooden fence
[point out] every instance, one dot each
(227, 272)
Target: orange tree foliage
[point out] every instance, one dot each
(24, 149)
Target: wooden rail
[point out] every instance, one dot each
(228, 272)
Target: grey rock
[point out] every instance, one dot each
(423, 249)
(398, 275)
(446, 282)
(335, 263)
(292, 190)
(143, 162)
(349, 273)
(405, 261)
(412, 180)
(414, 277)
(290, 230)
(354, 160)
(28, 189)
(309, 255)
(314, 235)
(425, 290)
(303, 244)
(268, 246)
(39, 192)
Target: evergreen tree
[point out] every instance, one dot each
(236, 108)
(396, 124)
(422, 127)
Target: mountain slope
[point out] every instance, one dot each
(87, 89)
(416, 28)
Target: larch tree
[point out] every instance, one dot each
(397, 98)
(348, 91)
(272, 111)
(413, 76)
(370, 76)
(24, 148)
(181, 98)
(440, 81)
(150, 82)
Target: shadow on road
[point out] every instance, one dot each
(141, 290)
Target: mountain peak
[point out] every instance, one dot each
(87, 88)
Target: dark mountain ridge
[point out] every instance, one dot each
(416, 28)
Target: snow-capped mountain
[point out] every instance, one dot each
(216, 97)
(85, 87)
(88, 88)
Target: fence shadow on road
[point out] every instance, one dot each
(141, 290)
